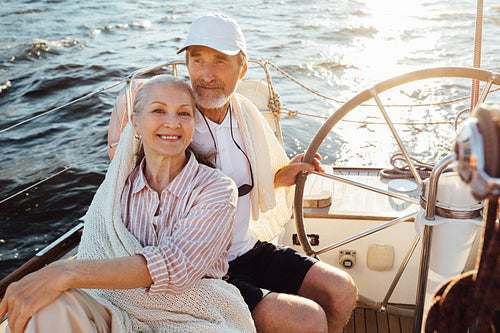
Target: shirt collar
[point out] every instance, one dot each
(181, 183)
(178, 186)
(139, 180)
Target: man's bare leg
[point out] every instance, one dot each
(334, 290)
(289, 313)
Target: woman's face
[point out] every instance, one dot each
(166, 123)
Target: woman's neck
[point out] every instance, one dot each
(160, 172)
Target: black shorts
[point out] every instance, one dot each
(268, 268)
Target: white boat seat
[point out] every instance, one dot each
(257, 91)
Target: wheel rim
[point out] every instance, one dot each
(438, 72)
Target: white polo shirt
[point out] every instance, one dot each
(233, 164)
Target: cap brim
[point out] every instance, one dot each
(182, 49)
(214, 46)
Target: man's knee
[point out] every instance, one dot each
(347, 288)
(289, 313)
(329, 286)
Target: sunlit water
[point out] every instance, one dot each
(52, 52)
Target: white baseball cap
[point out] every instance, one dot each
(216, 31)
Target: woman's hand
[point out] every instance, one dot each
(35, 291)
(286, 175)
(29, 295)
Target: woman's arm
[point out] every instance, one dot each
(193, 237)
(198, 243)
(116, 273)
(26, 297)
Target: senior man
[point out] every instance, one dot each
(285, 290)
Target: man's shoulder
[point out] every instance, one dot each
(242, 98)
(213, 181)
(212, 176)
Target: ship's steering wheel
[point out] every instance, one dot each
(458, 72)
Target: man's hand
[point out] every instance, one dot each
(29, 295)
(286, 175)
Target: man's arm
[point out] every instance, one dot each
(286, 175)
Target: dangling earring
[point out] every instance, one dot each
(138, 136)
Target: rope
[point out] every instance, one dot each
(274, 103)
(295, 113)
(66, 168)
(62, 106)
(423, 169)
(276, 106)
(372, 105)
(477, 52)
(472, 298)
(303, 85)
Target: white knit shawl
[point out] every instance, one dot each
(211, 305)
(271, 208)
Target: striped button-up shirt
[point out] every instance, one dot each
(186, 231)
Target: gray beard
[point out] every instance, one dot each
(210, 102)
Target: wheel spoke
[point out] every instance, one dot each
(366, 187)
(482, 98)
(366, 233)
(401, 269)
(398, 139)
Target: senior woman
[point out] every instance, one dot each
(154, 247)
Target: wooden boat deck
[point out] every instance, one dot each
(362, 321)
(370, 321)
(348, 201)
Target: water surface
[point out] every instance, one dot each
(52, 52)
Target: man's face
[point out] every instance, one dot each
(214, 76)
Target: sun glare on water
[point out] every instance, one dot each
(399, 32)
(404, 36)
